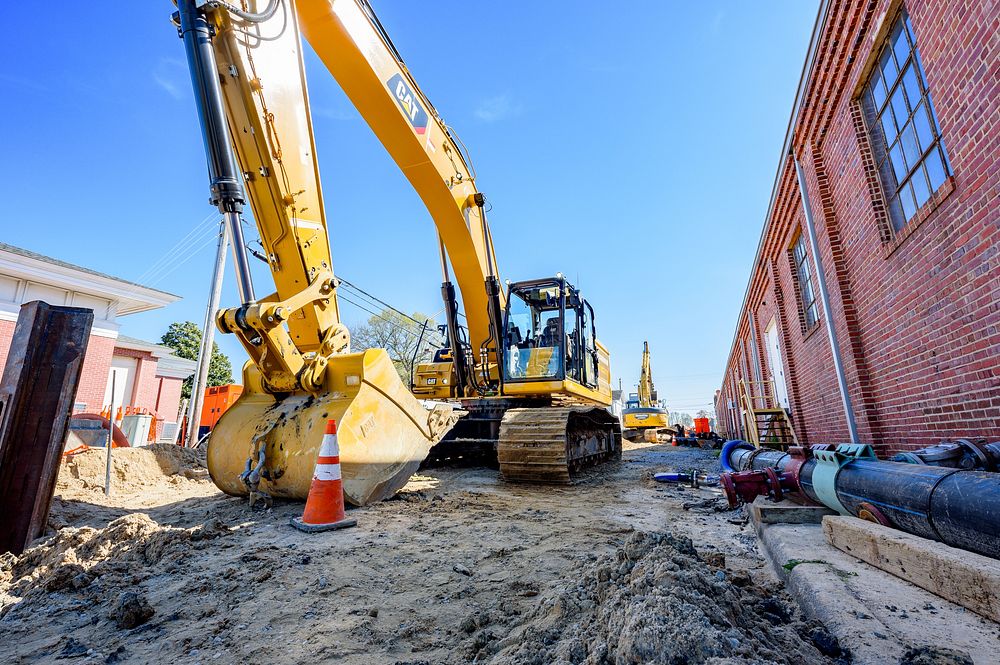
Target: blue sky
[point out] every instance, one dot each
(631, 146)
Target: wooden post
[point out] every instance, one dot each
(36, 400)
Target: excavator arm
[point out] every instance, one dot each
(249, 81)
(351, 43)
(645, 379)
(267, 111)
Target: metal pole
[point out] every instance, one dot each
(824, 299)
(207, 339)
(753, 349)
(182, 412)
(111, 437)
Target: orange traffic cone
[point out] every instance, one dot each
(325, 504)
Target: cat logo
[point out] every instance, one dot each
(407, 101)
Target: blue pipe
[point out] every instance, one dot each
(728, 449)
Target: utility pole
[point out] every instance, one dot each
(207, 339)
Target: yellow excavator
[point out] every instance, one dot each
(526, 366)
(642, 418)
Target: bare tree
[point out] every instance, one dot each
(399, 336)
(681, 418)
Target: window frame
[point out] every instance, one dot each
(888, 152)
(804, 284)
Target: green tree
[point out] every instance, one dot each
(185, 339)
(398, 335)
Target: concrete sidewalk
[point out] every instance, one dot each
(877, 616)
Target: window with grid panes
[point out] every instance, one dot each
(808, 296)
(906, 137)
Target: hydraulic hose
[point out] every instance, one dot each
(250, 17)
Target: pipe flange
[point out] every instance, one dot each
(729, 489)
(797, 457)
(871, 513)
(774, 484)
(978, 452)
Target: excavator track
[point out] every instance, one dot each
(548, 444)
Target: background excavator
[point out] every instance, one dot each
(642, 418)
(527, 366)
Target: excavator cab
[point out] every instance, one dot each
(548, 337)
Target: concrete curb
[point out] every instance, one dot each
(817, 584)
(874, 614)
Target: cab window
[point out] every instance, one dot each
(533, 341)
(589, 361)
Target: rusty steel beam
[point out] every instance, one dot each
(36, 400)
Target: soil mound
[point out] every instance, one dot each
(655, 601)
(131, 468)
(100, 562)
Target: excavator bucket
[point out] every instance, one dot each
(269, 444)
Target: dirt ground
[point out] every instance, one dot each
(459, 567)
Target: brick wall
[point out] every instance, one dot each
(169, 398)
(6, 335)
(917, 312)
(94, 375)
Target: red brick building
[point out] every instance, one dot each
(147, 375)
(896, 127)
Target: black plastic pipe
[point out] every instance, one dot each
(957, 507)
(739, 456)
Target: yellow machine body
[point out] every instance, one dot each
(383, 433)
(297, 344)
(301, 371)
(642, 418)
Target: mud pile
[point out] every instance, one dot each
(655, 601)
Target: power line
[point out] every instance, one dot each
(378, 300)
(371, 300)
(394, 324)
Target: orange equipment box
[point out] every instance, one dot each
(701, 426)
(217, 400)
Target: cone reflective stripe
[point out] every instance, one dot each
(328, 462)
(325, 504)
